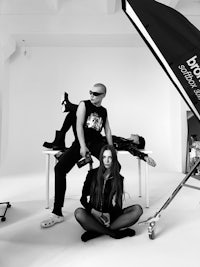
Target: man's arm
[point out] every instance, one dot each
(108, 132)
(80, 118)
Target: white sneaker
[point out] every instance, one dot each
(53, 219)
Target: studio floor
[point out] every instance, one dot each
(23, 243)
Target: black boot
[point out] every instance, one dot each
(58, 143)
(67, 106)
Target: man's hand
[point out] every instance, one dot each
(150, 161)
(83, 151)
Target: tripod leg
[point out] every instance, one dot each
(8, 205)
(152, 220)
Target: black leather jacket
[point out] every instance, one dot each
(105, 206)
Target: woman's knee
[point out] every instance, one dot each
(79, 213)
(138, 209)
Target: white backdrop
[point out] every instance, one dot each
(140, 99)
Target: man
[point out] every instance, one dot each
(91, 119)
(133, 144)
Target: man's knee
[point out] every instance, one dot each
(64, 166)
(59, 169)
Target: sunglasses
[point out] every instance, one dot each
(95, 93)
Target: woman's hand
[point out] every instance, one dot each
(106, 219)
(96, 214)
(103, 218)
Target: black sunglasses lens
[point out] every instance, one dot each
(95, 93)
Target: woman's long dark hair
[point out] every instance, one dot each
(116, 184)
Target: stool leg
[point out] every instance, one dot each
(47, 179)
(147, 184)
(139, 174)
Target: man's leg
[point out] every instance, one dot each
(70, 120)
(59, 141)
(64, 165)
(67, 105)
(95, 148)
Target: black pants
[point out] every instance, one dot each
(66, 162)
(70, 120)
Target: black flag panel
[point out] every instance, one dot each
(174, 41)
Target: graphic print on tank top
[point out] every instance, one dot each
(94, 121)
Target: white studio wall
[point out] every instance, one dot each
(140, 99)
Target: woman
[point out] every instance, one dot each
(102, 201)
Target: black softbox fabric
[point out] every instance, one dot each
(177, 39)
